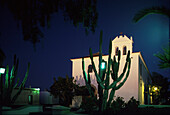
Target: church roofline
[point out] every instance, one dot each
(117, 38)
(96, 55)
(133, 53)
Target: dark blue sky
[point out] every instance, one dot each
(63, 41)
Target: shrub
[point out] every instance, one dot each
(132, 104)
(117, 104)
(88, 104)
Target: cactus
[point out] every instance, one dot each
(103, 77)
(7, 88)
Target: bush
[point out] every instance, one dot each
(88, 104)
(132, 104)
(117, 104)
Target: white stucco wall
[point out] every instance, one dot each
(132, 85)
(129, 89)
(23, 98)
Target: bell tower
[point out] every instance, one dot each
(122, 43)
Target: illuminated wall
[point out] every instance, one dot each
(132, 85)
(144, 81)
(27, 96)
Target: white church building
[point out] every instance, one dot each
(137, 84)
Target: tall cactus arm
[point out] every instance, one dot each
(21, 86)
(12, 76)
(26, 75)
(127, 74)
(16, 84)
(16, 66)
(10, 86)
(125, 67)
(112, 93)
(105, 96)
(95, 71)
(89, 80)
(119, 56)
(84, 73)
(109, 63)
(86, 79)
(100, 54)
(113, 75)
(6, 76)
(124, 70)
(114, 69)
(112, 85)
(16, 62)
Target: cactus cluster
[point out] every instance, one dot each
(9, 85)
(103, 75)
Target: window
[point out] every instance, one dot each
(124, 50)
(90, 68)
(116, 51)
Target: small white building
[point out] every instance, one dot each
(28, 96)
(137, 84)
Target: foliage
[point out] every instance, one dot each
(64, 88)
(132, 104)
(164, 58)
(117, 104)
(33, 15)
(152, 10)
(9, 85)
(81, 91)
(103, 77)
(89, 104)
(162, 84)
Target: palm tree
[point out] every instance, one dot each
(164, 56)
(153, 10)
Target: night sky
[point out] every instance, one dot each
(63, 41)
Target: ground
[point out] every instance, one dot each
(61, 110)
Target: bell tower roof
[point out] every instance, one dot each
(122, 43)
(122, 38)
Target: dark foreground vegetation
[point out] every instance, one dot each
(120, 107)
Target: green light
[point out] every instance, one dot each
(2, 70)
(37, 89)
(103, 65)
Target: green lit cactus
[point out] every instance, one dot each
(9, 85)
(103, 77)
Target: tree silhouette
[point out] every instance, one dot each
(160, 81)
(152, 10)
(164, 58)
(33, 15)
(64, 88)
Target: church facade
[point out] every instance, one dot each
(137, 84)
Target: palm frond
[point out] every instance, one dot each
(164, 58)
(153, 10)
